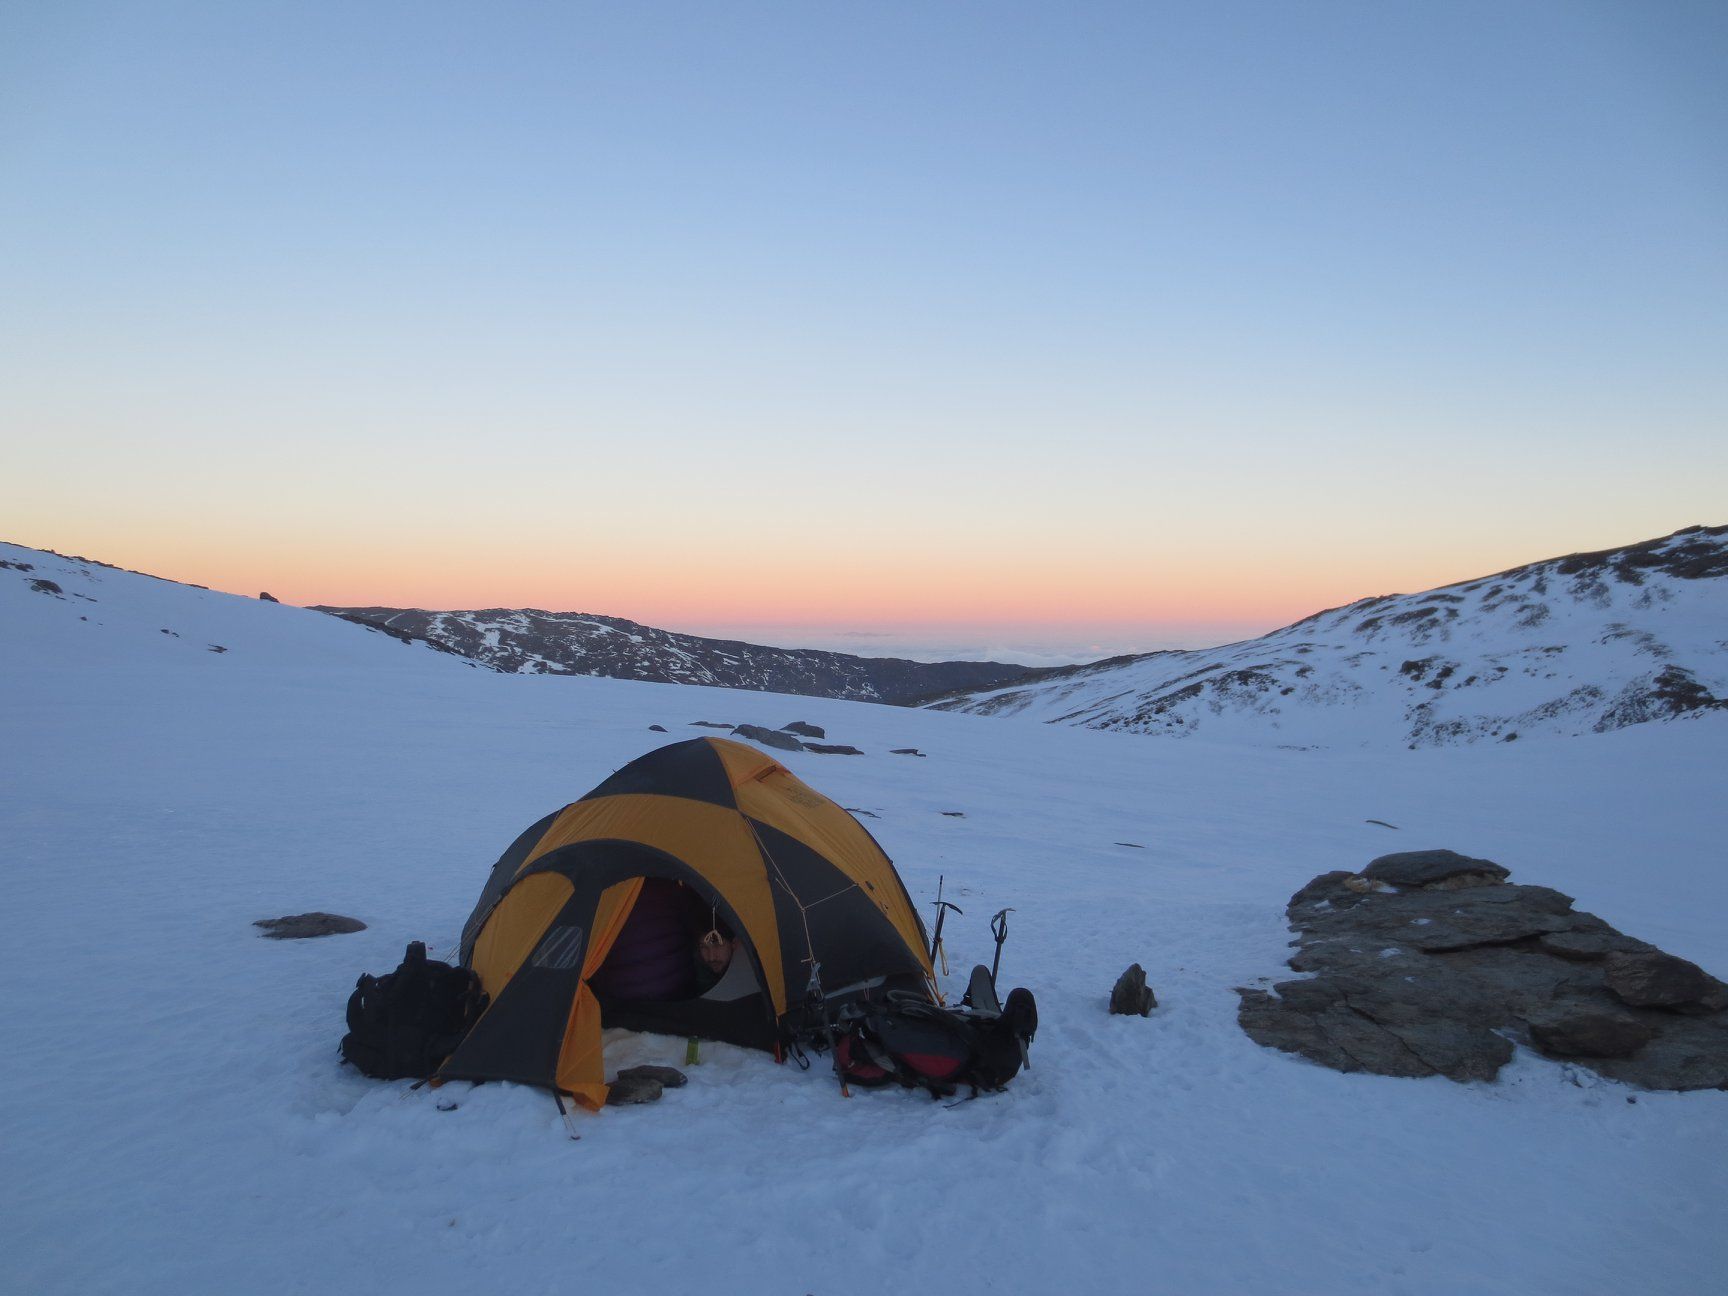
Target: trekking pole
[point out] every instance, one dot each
(998, 929)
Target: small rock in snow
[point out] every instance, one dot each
(665, 1076)
(628, 1089)
(1132, 997)
(302, 926)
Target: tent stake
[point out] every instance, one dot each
(569, 1124)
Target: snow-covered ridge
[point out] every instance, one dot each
(70, 611)
(529, 641)
(1585, 643)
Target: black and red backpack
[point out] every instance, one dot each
(909, 1041)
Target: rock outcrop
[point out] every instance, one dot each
(531, 641)
(768, 737)
(1432, 963)
(306, 925)
(1582, 644)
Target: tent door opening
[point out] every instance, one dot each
(649, 979)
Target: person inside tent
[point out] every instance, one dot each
(714, 953)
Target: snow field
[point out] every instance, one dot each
(177, 1119)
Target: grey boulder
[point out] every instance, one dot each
(1131, 996)
(1432, 868)
(1412, 975)
(768, 737)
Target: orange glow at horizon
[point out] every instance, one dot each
(779, 587)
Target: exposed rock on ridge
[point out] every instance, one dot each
(528, 641)
(1574, 645)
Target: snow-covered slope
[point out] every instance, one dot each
(1581, 644)
(530, 641)
(175, 1118)
(64, 611)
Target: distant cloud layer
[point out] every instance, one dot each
(1040, 646)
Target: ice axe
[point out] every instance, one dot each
(998, 929)
(942, 908)
(817, 1002)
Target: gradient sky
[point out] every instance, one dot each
(922, 324)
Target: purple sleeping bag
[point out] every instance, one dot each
(654, 956)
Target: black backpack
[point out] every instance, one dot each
(910, 1041)
(402, 1025)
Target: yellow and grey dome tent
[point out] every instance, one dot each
(818, 910)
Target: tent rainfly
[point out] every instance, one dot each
(589, 919)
